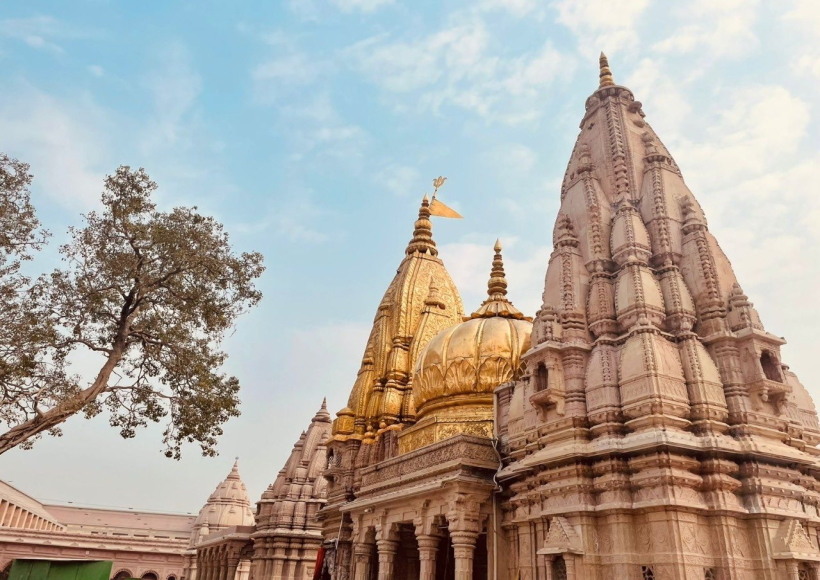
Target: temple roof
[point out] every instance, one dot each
(227, 506)
(291, 501)
(422, 299)
(635, 267)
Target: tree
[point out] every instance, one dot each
(152, 293)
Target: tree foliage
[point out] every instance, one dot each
(152, 293)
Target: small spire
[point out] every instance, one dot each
(497, 286)
(322, 415)
(605, 75)
(423, 233)
(234, 474)
(496, 303)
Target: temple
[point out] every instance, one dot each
(642, 425)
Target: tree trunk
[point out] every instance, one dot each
(57, 415)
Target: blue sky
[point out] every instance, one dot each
(311, 128)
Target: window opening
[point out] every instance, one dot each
(559, 569)
(542, 375)
(770, 366)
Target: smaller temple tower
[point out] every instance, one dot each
(227, 507)
(288, 535)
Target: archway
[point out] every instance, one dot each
(122, 574)
(150, 576)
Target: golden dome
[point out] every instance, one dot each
(466, 362)
(456, 373)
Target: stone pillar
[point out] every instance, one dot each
(230, 567)
(205, 557)
(206, 564)
(276, 566)
(526, 552)
(290, 564)
(223, 567)
(547, 562)
(428, 548)
(540, 537)
(387, 557)
(463, 550)
(363, 555)
(277, 559)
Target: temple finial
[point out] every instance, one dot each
(497, 286)
(605, 75)
(423, 233)
(322, 415)
(496, 303)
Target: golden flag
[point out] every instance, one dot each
(437, 208)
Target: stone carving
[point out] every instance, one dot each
(792, 542)
(562, 538)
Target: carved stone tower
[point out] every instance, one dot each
(656, 433)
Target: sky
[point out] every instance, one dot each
(311, 129)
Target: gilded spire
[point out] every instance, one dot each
(496, 303)
(605, 74)
(497, 286)
(423, 233)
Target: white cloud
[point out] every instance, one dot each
(519, 8)
(717, 29)
(454, 66)
(803, 21)
(65, 143)
(667, 107)
(296, 221)
(513, 158)
(40, 32)
(314, 10)
(805, 14)
(304, 9)
(319, 128)
(601, 24)
(280, 75)
(96, 70)
(400, 180)
(175, 87)
(760, 130)
(360, 5)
